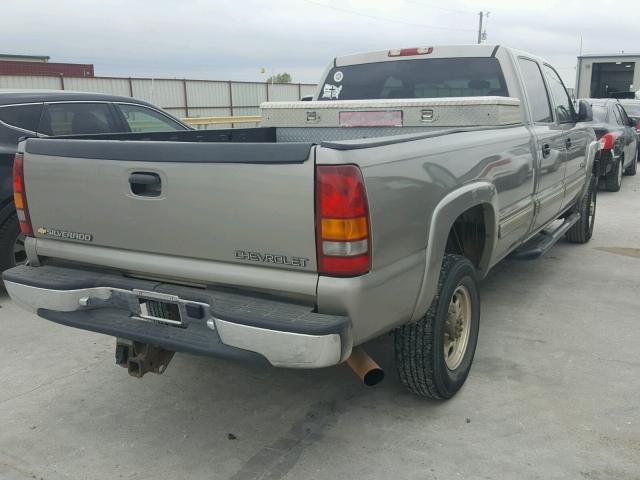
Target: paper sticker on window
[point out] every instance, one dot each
(331, 92)
(338, 76)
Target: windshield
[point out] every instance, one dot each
(424, 78)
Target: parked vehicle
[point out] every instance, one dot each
(618, 139)
(60, 112)
(336, 222)
(632, 107)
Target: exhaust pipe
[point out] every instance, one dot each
(365, 367)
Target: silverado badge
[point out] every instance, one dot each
(65, 234)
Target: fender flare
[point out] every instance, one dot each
(444, 215)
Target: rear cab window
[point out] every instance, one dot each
(423, 78)
(78, 119)
(25, 117)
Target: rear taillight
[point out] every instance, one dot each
(638, 127)
(606, 141)
(19, 195)
(407, 52)
(342, 221)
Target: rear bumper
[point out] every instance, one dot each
(215, 322)
(607, 162)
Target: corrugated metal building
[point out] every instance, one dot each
(604, 76)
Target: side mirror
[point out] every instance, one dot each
(632, 123)
(585, 112)
(306, 98)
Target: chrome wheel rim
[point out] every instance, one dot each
(457, 327)
(19, 252)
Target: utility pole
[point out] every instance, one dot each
(481, 35)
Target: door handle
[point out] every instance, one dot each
(568, 143)
(546, 150)
(145, 184)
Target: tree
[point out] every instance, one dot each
(280, 78)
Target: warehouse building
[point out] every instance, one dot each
(40, 65)
(608, 76)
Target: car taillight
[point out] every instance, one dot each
(638, 127)
(606, 141)
(407, 52)
(19, 195)
(342, 221)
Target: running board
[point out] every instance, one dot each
(541, 243)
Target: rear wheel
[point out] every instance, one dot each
(12, 251)
(582, 231)
(613, 180)
(434, 354)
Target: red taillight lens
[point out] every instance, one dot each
(638, 126)
(606, 141)
(19, 195)
(342, 221)
(407, 52)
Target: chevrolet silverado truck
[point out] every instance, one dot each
(374, 208)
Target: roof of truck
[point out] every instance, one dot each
(437, 51)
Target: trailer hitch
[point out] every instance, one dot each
(140, 358)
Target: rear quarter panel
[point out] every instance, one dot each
(406, 182)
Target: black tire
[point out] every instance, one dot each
(613, 180)
(582, 231)
(419, 347)
(633, 168)
(9, 234)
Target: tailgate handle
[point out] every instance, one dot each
(145, 184)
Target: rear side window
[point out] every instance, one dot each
(77, 119)
(564, 106)
(25, 117)
(536, 91)
(599, 114)
(142, 119)
(425, 78)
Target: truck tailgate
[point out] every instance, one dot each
(238, 203)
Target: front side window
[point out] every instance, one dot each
(142, 119)
(564, 106)
(25, 117)
(536, 91)
(77, 119)
(424, 78)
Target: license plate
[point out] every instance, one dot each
(158, 307)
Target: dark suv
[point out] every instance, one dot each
(59, 112)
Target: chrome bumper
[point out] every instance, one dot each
(93, 309)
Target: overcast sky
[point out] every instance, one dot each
(233, 39)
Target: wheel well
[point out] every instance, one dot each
(468, 235)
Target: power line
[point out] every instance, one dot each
(438, 7)
(373, 17)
